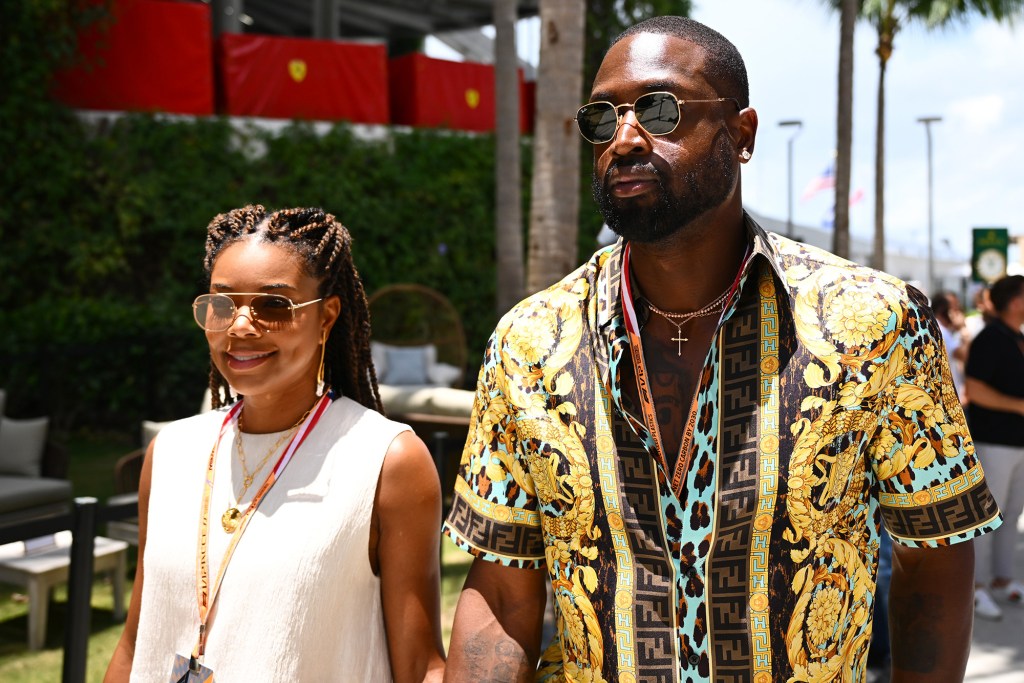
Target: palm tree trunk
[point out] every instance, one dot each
(554, 202)
(878, 251)
(844, 129)
(508, 219)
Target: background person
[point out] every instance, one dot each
(950, 316)
(695, 436)
(995, 383)
(296, 523)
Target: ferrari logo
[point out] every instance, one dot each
(473, 98)
(297, 70)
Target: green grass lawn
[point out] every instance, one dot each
(92, 458)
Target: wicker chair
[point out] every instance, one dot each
(410, 314)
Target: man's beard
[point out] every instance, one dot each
(705, 187)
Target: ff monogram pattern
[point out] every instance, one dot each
(826, 408)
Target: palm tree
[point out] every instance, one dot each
(888, 17)
(844, 128)
(554, 202)
(508, 223)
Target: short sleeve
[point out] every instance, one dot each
(933, 489)
(494, 512)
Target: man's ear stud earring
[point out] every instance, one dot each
(744, 154)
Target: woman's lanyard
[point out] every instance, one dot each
(640, 370)
(205, 594)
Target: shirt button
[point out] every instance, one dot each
(694, 660)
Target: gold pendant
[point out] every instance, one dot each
(229, 520)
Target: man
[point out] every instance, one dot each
(995, 383)
(952, 325)
(694, 437)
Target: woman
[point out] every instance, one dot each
(292, 534)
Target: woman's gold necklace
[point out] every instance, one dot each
(680, 319)
(233, 515)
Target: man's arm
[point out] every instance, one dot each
(931, 612)
(984, 395)
(496, 634)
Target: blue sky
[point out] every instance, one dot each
(969, 74)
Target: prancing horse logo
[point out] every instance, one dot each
(297, 70)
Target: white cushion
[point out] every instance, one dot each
(405, 365)
(425, 399)
(379, 353)
(22, 443)
(443, 374)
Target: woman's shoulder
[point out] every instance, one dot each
(348, 416)
(200, 425)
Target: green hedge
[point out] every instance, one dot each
(103, 236)
(102, 229)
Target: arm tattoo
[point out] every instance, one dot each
(917, 621)
(500, 662)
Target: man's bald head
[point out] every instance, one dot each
(724, 66)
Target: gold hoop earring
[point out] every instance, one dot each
(320, 372)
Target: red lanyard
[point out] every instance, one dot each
(206, 595)
(640, 369)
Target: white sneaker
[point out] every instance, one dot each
(1011, 592)
(985, 606)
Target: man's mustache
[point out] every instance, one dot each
(631, 167)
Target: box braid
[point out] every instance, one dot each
(325, 246)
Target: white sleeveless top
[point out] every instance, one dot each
(298, 601)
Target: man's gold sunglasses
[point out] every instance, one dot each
(658, 113)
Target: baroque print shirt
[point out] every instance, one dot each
(825, 410)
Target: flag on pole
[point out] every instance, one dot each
(825, 181)
(828, 221)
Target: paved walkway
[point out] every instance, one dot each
(997, 650)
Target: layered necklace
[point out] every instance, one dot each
(229, 520)
(680, 319)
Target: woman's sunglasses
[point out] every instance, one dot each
(658, 113)
(216, 312)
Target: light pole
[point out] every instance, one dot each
(797, 124)
(928, 121)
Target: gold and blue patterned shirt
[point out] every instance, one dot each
(825, 409)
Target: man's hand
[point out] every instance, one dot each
(496, 634)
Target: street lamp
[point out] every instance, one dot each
(928, 121)
(797, 124)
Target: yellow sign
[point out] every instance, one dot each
(473, 98)
(297, 70)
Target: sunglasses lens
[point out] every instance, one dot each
(272, 310)
(213, 312)
(597, 121)
(657, 112)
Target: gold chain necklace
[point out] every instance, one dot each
(680, 319)
(229, 520)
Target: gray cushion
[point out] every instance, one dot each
(22, 443)
(18, 493)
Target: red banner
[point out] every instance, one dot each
(437, 93)
(303, 78)
(527, 105)
(153, 56)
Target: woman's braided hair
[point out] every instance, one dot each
(325, 247)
